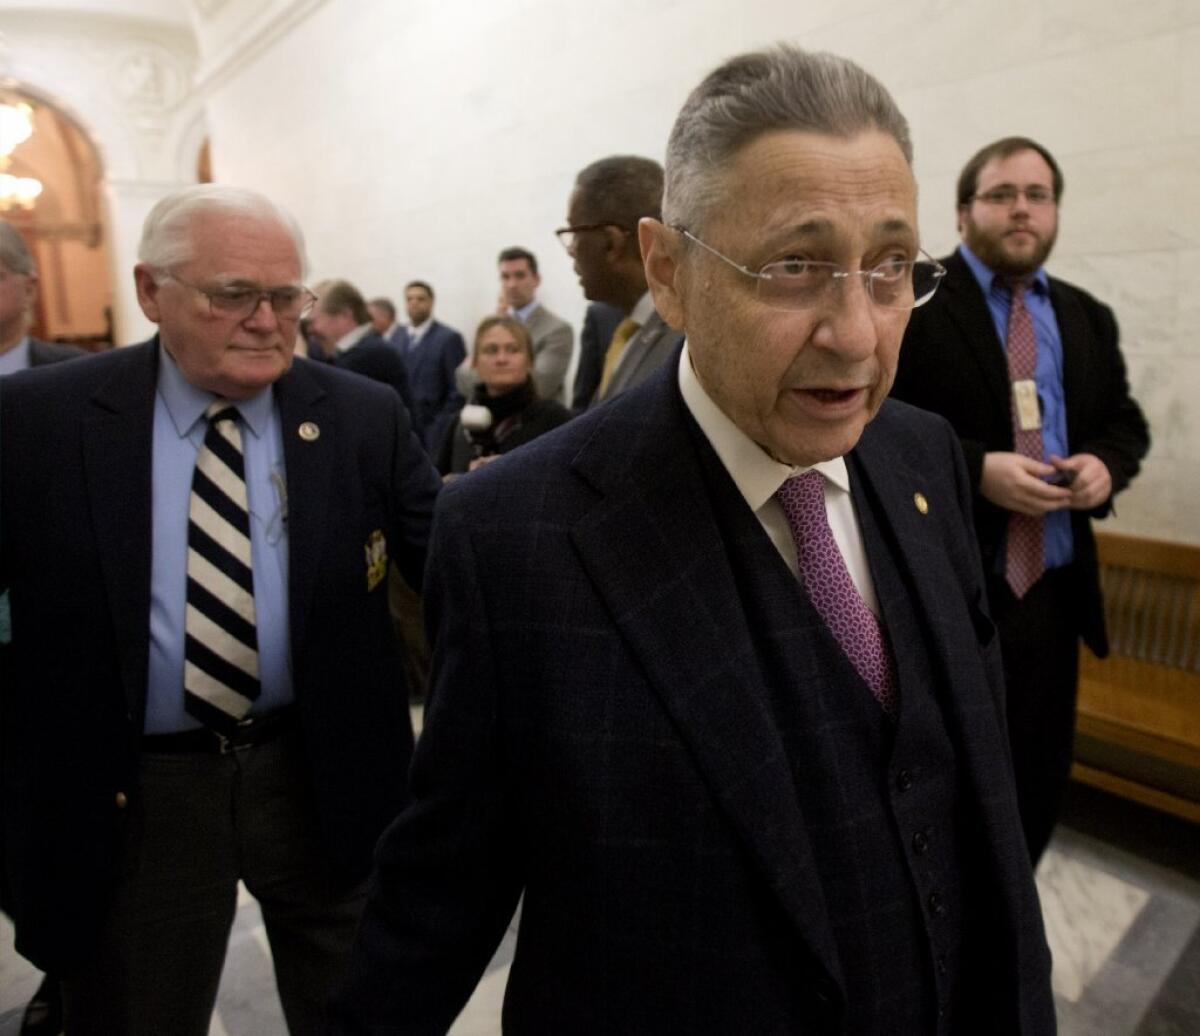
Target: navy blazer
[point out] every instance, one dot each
(953, 363)
(431, 376)
(373, 358)
(599, 738)
(75, 491)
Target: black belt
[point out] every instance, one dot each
(256, 730)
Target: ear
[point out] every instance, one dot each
(660, 255)
(147, 291)
(960, 215)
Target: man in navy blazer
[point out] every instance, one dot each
(734, 800)
(383, 319)
(129, 817)
(341, 324)
(432, 352)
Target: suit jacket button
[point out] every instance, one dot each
(122, 800)
(904, 780)
(920, 842)
(936, 906)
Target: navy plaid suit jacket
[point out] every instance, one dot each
(598, 738)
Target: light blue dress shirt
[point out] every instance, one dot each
(1048, 376)
(179, 429)
(16, 359)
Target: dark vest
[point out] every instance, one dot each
(879, 797)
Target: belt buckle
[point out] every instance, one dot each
(226, 745)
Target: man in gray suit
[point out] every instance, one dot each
(552, 336)
(601, 236)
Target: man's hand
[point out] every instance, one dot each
(1092, 484)
(1017, 483)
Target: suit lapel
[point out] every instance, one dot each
(653, 550)
(309, 460)
(968, 309)
(118, 435)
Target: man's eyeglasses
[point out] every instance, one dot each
(236, 301)
(1007, 194)
(802, 283)
(569, 235)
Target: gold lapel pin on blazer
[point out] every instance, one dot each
(921, 502)
(309, 431)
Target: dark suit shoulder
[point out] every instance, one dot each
(84, 375)
(52, 352)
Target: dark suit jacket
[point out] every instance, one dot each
(431, 367)
(75, 499)
(655, 342)
(41, 353)
(600, 737)
(373, 358)
(599, 324)
(953, 363)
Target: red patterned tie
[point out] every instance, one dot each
(1025, 555)
(829, 586)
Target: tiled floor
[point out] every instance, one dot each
(1120, 890)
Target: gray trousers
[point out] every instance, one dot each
(201, 823)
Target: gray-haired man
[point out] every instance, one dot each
(714, 684)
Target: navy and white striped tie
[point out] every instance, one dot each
(220, 677)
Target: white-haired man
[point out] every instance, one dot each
(202, 580)
(714, 684)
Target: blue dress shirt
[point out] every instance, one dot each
(1048, 376)
(179, 428)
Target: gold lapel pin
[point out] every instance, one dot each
(921, 502)
(309, 432)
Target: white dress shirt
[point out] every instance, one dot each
(758, 476)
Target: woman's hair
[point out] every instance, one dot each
(511, 324)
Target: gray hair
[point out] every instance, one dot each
(784, 88)
(14, 255)
(166, 235)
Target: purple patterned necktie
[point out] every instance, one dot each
(1025, 550)
(827, 581)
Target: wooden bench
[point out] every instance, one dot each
(1138, 732)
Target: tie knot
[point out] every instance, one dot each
(221, 410)
(803, 492)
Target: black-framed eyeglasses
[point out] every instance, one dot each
(238, 301)
(1007, 194)
(801, 283)
(568, 235)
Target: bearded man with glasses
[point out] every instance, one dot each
(1028, 370)
(205, 686)
(714, 685)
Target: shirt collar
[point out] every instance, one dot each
(755, 472)
(524, 313)
(352, 337)
(186, 403)
(17, 358)
(418, 330)
(986, 278)
(643, 311)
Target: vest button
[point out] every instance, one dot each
(920, 842)
(904, 780)
(122, 800)
(936, 906)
